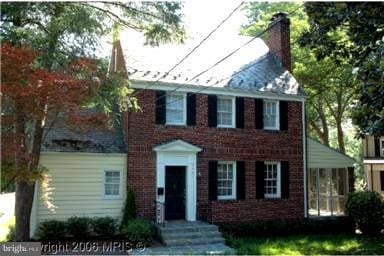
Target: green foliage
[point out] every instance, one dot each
(328, 85)
(79, 227)
(52, 230)
(367, 210)
(11, 233)
(288, 226)
(139, 231)
(353, 32)
(104, 226)
(130, 207)
(317, 244)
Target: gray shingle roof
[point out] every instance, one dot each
(253, 67)
(63, 137)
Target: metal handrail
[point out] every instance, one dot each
(160, 211)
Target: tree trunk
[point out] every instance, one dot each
(340, 136)
(23, 208)
(25, 190)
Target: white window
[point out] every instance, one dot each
(327, 190)
(176, 109)
(382, 147)
(112, 183)
(272, 180)
(271, 115)
(226, 180)
(226, 112)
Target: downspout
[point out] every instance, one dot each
(305, 160)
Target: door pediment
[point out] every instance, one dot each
(177, 146)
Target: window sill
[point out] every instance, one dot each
(175, 124)
(225, 126)
(112, 197)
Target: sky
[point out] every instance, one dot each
(201, 17)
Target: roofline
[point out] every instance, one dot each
(82, 153)
(337, 151)
(140, 84)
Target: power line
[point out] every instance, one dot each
(194, 49)
(220, 61)
(235, 73)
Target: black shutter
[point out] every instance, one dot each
(191, 109)
(377, 147)
(259, 169)
(240, 180)
(284, 179)
(239, 112)
(212, 110)
(259, 123)
(212, 180)
(382, 180)
(160, 107)
(283, 115)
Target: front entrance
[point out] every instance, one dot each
(175, 192)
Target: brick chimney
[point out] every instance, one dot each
(278, 39)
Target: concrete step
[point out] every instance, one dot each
(188, 227)
(210, 249)
(186, 235)
(194, 241)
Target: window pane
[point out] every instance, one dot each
(312, 191)
(270, 179)
(270, 113)
(174, 108)
(112, 183)
(224, 112)
(225, 179)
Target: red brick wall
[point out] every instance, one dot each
(246, 144)
(279, 40)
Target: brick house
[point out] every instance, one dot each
(373, 149)
(227, 145)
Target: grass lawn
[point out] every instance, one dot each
(309, 244)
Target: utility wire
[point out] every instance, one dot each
(221, 60)
(193, 50)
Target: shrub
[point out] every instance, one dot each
(78, 227)
(288, 226)
(51, 230)
(139, 231)
(104, 226)
(11, 233)
(130, 208)
(366, 208)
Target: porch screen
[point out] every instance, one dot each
(327, 189)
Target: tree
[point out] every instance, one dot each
(362, 45)
(328, 85)
(48, 66)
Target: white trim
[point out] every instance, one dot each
(303, 118)
(119, 196)
(137, 84)
(179, 153)
(234, 181)
(373, 161)
(381, 142)
(278, 180)
(177, 146)
(184, 122)
(233, 125)
(277, 127)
